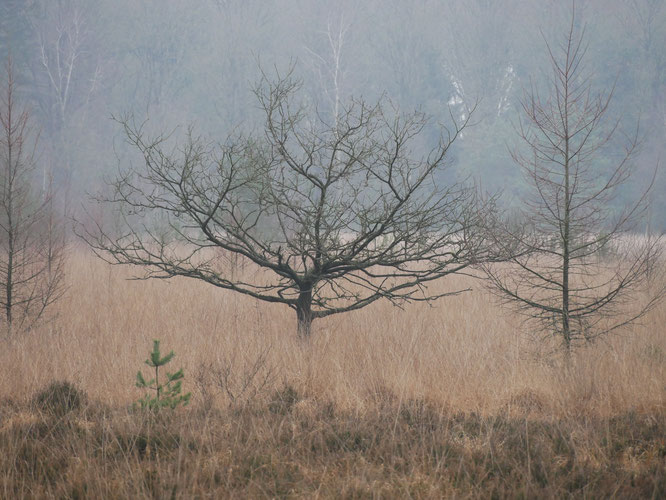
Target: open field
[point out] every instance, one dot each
(425, 402)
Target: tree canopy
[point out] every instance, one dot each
(339, 212)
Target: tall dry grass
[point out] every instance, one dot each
(451, 400)
(463, 352)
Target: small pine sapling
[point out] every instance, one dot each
(167, 394)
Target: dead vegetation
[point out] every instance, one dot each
(427, 402)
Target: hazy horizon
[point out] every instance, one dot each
(178, 63)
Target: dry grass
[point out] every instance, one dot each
(421, 402)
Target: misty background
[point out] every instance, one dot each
(177, 63)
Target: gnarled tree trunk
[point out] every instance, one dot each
(304, 312)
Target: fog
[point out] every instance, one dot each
(176, 63)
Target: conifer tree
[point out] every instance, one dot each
(167, 394)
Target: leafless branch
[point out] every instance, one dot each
(337, 215)
(574, 267)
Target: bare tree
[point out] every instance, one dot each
(338, 216)
(31, 238)
(70, 74)
(575, 266)
(328, 66)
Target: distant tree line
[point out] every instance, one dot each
(79, 62)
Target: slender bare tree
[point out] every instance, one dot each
(31, 239)
(328, 65)
(338, 216)
(576, 269)
(69, 74)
